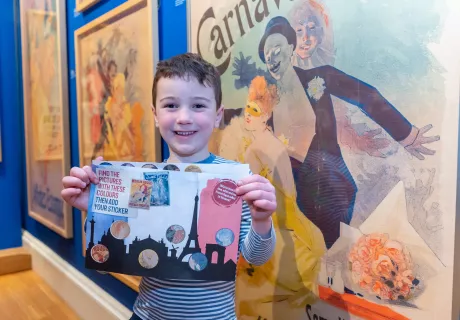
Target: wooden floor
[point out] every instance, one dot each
(24, 295)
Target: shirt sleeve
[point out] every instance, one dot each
(256, 249)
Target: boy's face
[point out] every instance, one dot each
(186, 115)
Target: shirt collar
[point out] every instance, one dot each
(209, 159)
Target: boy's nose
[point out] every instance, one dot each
(184, 116)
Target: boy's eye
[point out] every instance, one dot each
(200, 106)
(170, 105)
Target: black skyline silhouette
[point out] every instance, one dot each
(168, 267)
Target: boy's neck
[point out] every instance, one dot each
(197, 157)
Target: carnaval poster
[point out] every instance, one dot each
(358, 102)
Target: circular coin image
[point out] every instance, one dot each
(148, 259)
(120, 229)
(100, 253)
(175, 234)
(127, 164)
(225, 237)
(149, 165)
(193, 168)
(171, 167)
(198, 261)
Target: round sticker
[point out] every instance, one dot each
(198, 261)
(171, 167)
(100, 253)
(224, 193)
(193, 168)
(148, 259)
(149, 165)
(225, 237)
(175, 234)
(127, 164)
(120, 229)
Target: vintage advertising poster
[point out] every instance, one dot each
(116, 55)
(44, 65)
(116, 58)
(350, 108)
(168, 223)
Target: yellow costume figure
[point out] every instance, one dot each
(281, 288)
(120, 142)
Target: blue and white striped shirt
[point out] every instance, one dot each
(201, 299)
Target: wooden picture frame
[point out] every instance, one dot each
(46, 112)
(82, 5)
(113, 27)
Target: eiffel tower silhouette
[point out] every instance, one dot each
(193, 234)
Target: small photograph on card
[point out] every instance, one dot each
(140, 193)
(160, 188)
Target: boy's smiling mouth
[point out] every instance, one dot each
(184, 133)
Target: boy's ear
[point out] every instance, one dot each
(220, 114)
(154, 114)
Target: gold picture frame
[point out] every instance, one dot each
(102, 47)
(82, 5)
(46, 112)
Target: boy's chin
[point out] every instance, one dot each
(186, 151)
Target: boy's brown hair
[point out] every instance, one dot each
(189, 65)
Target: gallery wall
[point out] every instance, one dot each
(172, 40)
(10, 133)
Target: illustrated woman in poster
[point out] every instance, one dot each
(299, 239)
(315, 46)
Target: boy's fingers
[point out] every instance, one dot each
(265, 205)
(68, 193)
(73, 182)
(80, 174)
(252, 186)
(92, 176)
(100, 158)
(259, 195)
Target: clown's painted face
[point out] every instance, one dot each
(278, 53)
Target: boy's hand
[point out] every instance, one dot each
(260, 196)
(76, 186)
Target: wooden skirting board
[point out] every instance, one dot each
(15, 260)
(77, 290)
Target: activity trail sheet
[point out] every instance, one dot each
(168, 221)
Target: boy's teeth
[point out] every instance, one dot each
(183, 133)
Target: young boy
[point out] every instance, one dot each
(187, 100)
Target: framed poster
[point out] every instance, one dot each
(44, 65)
(361, 122)
(82, 5)
(116, 57)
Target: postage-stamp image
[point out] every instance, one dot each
(140, 193)
(160, 188)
